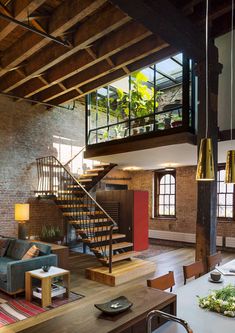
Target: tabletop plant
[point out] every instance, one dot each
(221, 301)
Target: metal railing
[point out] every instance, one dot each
(167, 316)
(82, 211)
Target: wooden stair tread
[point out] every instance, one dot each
(95, 170)
(85, 180)
(100, 220)
(96, 229)
(74, 205)
(120, 256)
(85, 175)
(116, 246)
(103, 238)
(98, 212)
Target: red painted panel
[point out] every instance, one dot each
(140, 220)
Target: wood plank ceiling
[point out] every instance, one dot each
(104, 40)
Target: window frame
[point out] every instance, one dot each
(158, 175)
(219, 218)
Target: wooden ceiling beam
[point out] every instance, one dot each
(21, 10)
(64, 17)
(99, 24)
(168, 22)
(124, 37)
(120, 60)
(115, 75)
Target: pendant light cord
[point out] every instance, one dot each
(207, 87)
(232, 72)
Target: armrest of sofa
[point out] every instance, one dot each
(16, 270)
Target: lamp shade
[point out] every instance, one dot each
(205, 166)
(230, 167)
(21, 212)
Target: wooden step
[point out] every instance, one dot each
(103, 238)
(115, 246)
(68, 200)
(85, 180)
(95, 229)
(70, 192)
(120, 256)
(85, 175)
(94, 170)
(67, 206)
(100, 220)
(97, 212)
(74, 186)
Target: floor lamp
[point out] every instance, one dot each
(22, 216)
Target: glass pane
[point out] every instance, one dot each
(172, 180)
(222, 175)
(221, 211)
(161, 210)
(167, 199)
(222, 187)
(102, 102)
(167, 210)
(221, 199)
(162, 189)
(172, 199)
(229, 211)
(172, 210)
(161, 199)
(167, 189)
(172, 189)
(230, 188)
(229, 198)
(167, 179)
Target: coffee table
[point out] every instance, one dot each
(46, 280)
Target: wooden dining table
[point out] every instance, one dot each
(201, 320)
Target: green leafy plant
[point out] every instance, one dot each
(221, 301)
(51, 233)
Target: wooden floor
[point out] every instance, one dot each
(168, 259)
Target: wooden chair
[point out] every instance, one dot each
(213, 260)
(193, 270)
(163, 282)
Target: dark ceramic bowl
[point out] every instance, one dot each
(46, 268)
(115, 306)
(215, 276)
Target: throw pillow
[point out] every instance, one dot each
(4, 242)
(31, 253)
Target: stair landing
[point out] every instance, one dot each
(122, 272)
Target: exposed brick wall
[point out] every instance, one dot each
(186, 200)
(26, 133)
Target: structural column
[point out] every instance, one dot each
(207, 190)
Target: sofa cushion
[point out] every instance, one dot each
(31, 253)
(17, 249)
(44, 249)
(3, 267)
(4, 242)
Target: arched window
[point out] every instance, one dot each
(165, 200)
(225, 197)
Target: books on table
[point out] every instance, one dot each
(56, 290)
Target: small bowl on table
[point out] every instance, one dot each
(215, 276)
(46, 268)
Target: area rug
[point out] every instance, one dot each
(13, 310)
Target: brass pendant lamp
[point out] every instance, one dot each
(205, 166)
(230, 161)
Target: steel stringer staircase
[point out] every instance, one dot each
(95, 226)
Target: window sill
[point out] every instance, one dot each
(162, 218)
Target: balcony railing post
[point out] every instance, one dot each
(110, 249)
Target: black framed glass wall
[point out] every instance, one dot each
(156, 98)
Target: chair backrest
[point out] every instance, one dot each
(163, 282)
(213, 260)
(193, 270)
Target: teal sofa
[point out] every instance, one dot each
(13, 268)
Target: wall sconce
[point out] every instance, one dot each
(22, 216)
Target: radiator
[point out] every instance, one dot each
(230, 241)
(180, 236)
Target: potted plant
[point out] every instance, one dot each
(51, 234)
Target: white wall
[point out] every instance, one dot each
(223, 44)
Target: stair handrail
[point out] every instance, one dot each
(87, 193)
(71, 159)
